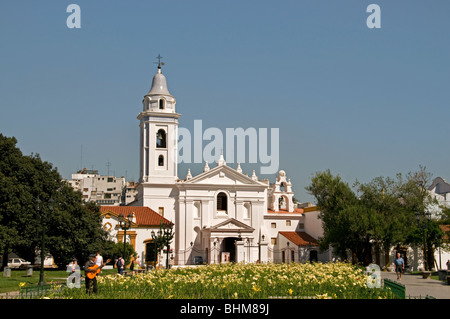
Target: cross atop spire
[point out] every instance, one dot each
(159, 57)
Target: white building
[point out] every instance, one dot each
(440, 190)
(103, 189)
(143, 222)
(220, 215)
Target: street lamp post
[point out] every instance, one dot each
(288, 253)
(167, 233)
(156, 242)
(38, 210)
(43, 220)
(424, 226)
(125, 224)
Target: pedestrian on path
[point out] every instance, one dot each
(399, 266)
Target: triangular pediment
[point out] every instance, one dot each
(232, 225)
(223, 175)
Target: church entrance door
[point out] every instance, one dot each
(229, 246)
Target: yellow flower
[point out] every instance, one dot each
(290, 291)
(22, 284)
(235, 295)
(256, 288)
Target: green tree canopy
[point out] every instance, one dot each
(34, 198)
(380, 214)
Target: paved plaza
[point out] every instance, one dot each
(417, 287)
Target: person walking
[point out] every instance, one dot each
(399, 266)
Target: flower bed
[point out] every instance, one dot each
(228, 281)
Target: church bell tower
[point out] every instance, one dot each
(158, 133)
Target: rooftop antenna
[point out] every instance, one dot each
(108, 164)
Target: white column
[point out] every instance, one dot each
(240, 251)
(145, 151)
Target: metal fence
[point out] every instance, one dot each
(396, 288)
(399, 290)
(39, 291)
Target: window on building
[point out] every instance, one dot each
(288, 223)
(273, 225)
(161, 139)
(247, 210)
(160, 160)
(110, 179)
(150, 253)
(197, 209)
(281, 202)
(222, 202)
(273, 241)
(161, 211)
(162, 104)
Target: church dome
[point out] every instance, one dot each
(159, 84)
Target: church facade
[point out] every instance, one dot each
(220, 215)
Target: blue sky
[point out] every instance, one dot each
(361, 102)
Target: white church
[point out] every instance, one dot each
(221, 215)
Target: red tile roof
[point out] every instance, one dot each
(296, 210)
(145, 216)
(284, 211)
(299, 238)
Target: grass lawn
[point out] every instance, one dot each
(8, 284)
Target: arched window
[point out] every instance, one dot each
(162, 104)
(282, 202)
(160, 160)
(283, 187)
(161, 139)
(222, 201)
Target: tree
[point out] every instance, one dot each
(392, 219)
(444, 218)
(17, 209)
(113, 250)
(334, 199)
(75, 229)
(380, 214)
(416, 198)
(70, 227)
